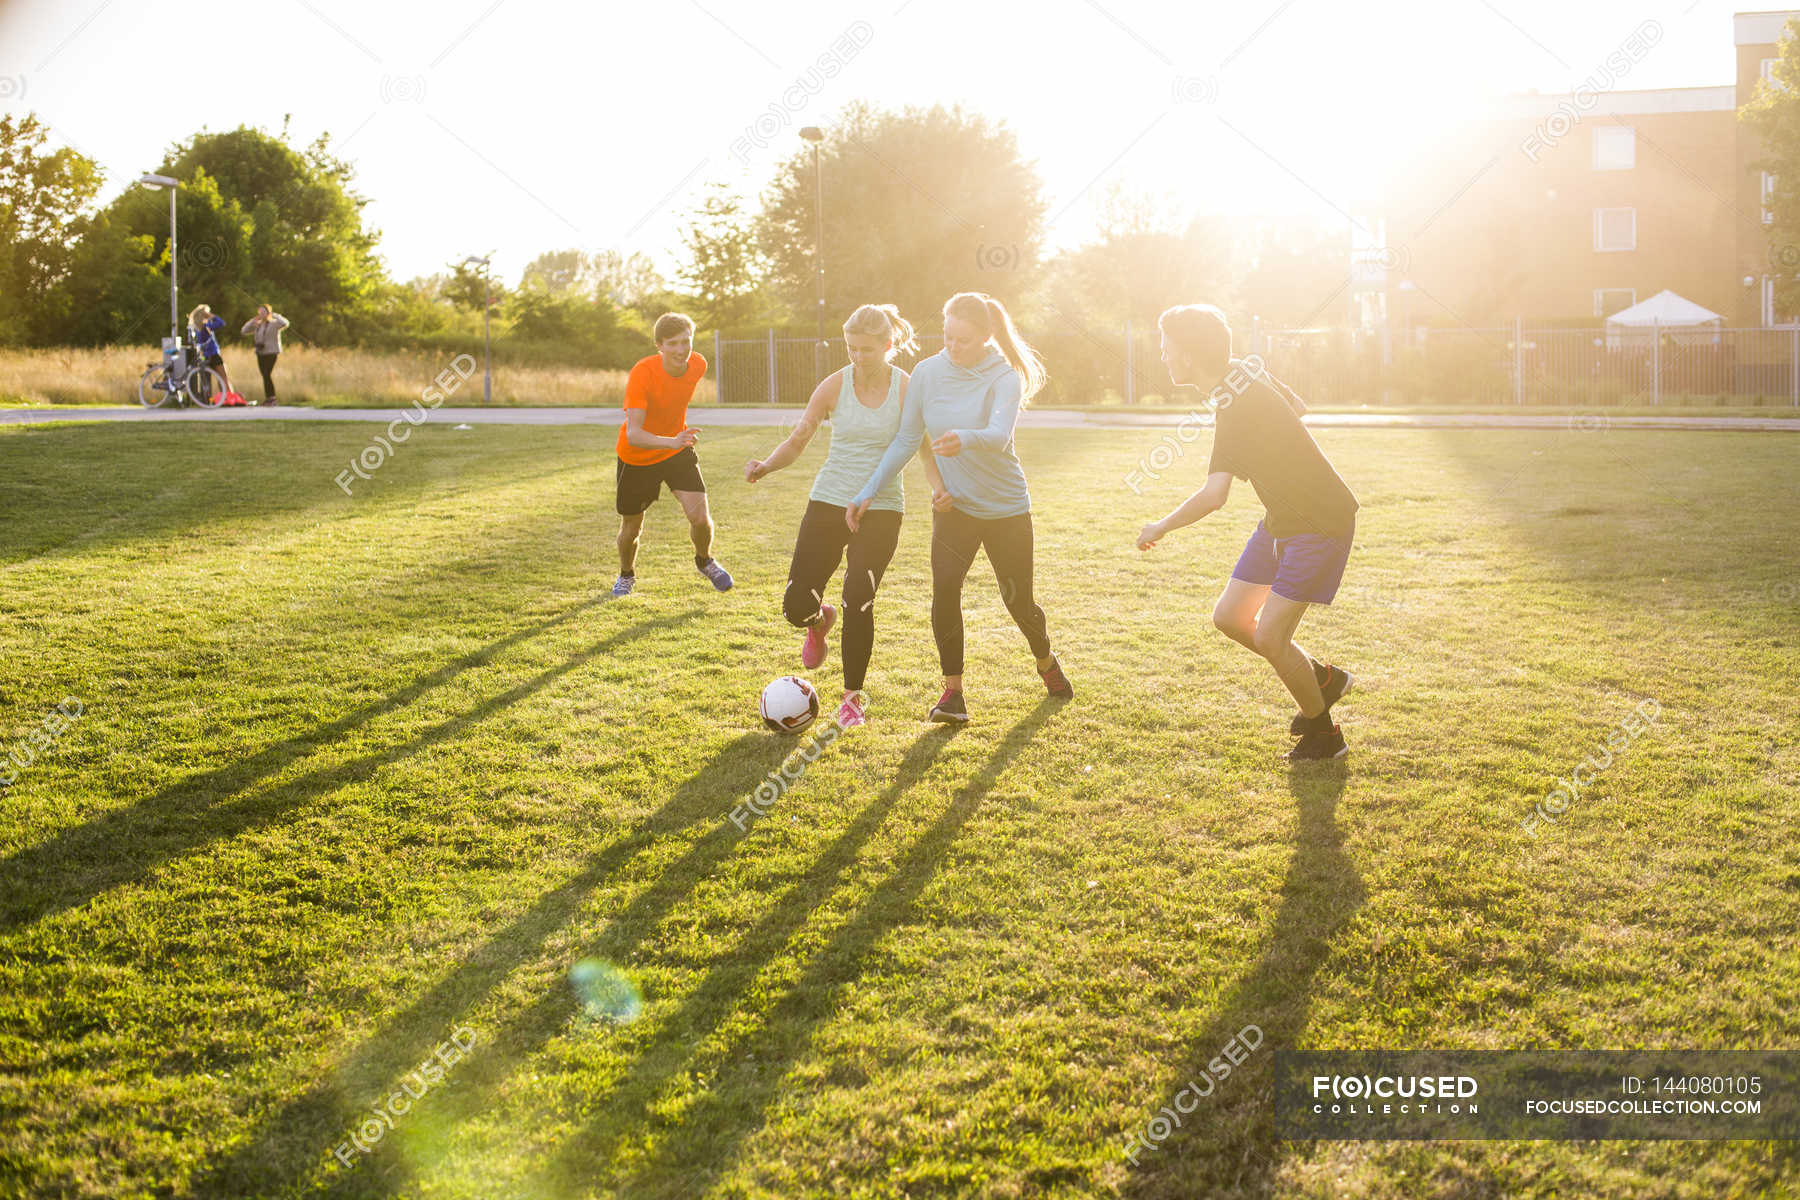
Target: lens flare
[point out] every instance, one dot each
(604, 992)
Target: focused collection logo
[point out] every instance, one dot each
(1378, 1093)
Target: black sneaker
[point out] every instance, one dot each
(1319, 746)
(950, 710)
(1056, 682)
(1332, 688)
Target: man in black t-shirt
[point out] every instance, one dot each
(1296, 556)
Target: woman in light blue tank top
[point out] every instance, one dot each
(863, 402)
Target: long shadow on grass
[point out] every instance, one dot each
(289, 1143)
(125, 844)
(1227, 1146)
(514, 1045)
(745, 1078)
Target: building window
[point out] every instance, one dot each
(1608, 301)
(1768, 73)
(1615, 148)
(1768, 198)
(1615, 229)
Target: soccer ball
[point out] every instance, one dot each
(789, 704)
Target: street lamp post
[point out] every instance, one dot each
(815, 135)
(164, 181)
(487, 338)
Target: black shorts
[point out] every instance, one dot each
(639, 487)
(215, 362)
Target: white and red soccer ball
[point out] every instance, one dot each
(789, 704)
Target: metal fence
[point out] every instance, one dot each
(1342, 367)
(780, 369)
(1520, 365)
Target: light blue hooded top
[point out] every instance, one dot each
(985, 478)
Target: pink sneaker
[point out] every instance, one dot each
(851, 712)
(812, 650)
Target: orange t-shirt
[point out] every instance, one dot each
(664, 400)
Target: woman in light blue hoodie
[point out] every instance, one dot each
(863, 402)
(967, 398)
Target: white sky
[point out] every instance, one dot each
(526, 125)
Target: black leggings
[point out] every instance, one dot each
(955, 536)
(266, 363)
(817, 551)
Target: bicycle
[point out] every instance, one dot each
(176, 378)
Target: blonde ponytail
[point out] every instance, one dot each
(884, 321)
(1020, 353)
(982, 310)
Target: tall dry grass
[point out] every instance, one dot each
(307, 375)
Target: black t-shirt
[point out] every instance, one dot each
(1258, 436)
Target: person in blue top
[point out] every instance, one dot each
(863, 402)
(967, 398)
(203, 331)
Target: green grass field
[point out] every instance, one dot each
(357, 775)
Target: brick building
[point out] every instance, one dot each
(1562, 208)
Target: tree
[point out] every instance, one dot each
(723, 268)
(308, 250)
(1140, 263)
(559, 273)
(116, 289)
(415, 312)
(594, 330)
(628, 280)
(1773, 114)
(105, 296)
(259, 222)
(42, 196)
(1294, 274)
(919, 204)
(625, 281)
(468, 288)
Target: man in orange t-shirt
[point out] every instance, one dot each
(656, 447)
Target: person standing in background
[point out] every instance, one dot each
(265, 330)
(203, 331)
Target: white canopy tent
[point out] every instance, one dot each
(1688, 323)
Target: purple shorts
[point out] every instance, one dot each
(1306, 567)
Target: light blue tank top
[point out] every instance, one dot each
(860, 435)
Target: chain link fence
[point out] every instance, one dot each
(1577, 368)
(1525, 366)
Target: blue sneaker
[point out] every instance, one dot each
(622, 586)
(721, 578)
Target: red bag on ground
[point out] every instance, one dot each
(234, 400)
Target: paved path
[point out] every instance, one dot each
(1032, 419)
